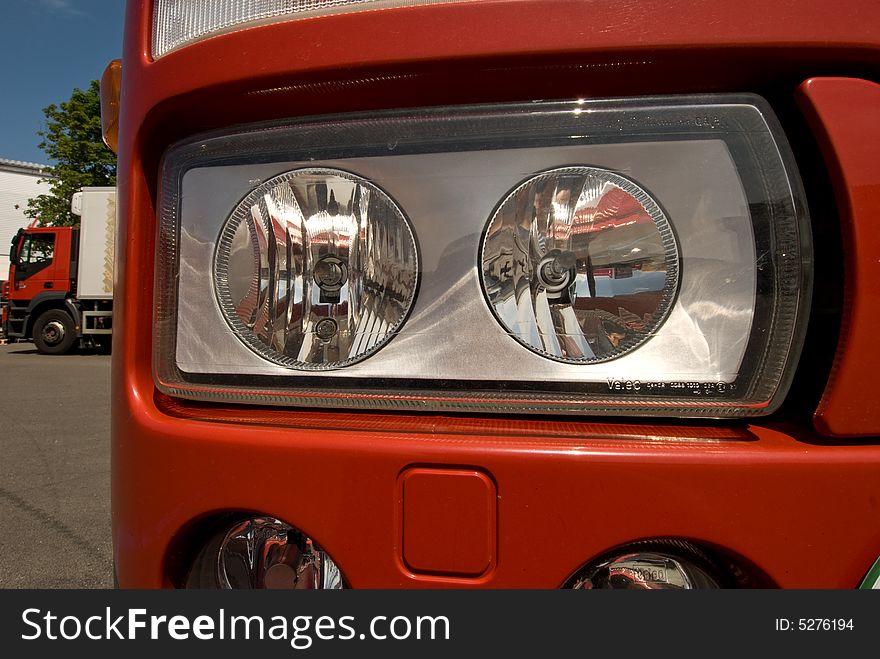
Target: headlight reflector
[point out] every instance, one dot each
(579, 264)
(316, 268)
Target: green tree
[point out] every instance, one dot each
(73, 140)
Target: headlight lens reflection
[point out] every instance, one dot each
(579, 264)
(316, 269)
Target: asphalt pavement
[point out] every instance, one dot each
(54, 469)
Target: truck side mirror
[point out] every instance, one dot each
(13, 250)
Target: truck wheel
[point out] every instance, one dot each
(54, 332)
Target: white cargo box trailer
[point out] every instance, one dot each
(96, 208)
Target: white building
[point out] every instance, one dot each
(19, 181)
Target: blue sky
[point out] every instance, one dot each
(48, 47)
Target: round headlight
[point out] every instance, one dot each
(263, 552)
(316, 269)
(579, 264)
(659, 565)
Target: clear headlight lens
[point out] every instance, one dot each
(316, 268)
(579, 264)
(646, 256)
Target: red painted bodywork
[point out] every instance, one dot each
(843, 113)
(448, 521)
(802, 510)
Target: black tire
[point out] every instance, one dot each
(54, 332)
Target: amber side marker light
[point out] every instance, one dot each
(111, 84)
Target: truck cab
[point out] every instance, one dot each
(497, 293)
(41, 261)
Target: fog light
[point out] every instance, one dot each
(262, 552)
(579, 264)
(653, 566)
(316, 269)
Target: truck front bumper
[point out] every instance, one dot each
(548, 498)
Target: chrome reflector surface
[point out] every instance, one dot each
(263, 552)
(316, 268)
(646, 572)
(579, 264)
(661, 565)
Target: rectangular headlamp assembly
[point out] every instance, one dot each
(633, 257)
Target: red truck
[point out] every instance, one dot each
(533, 293)
(60, 287)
